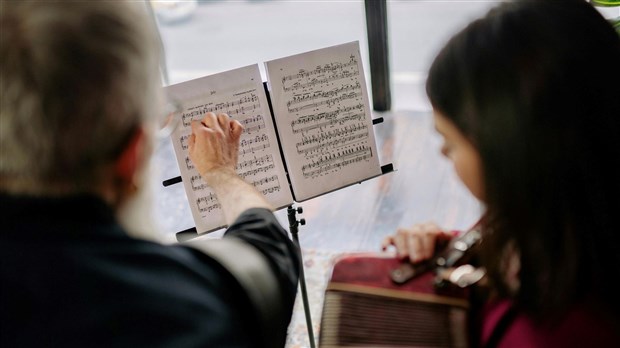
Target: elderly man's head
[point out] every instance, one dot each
(78, 82)
(79, 93)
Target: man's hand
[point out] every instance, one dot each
(214, 150)
(214, 144)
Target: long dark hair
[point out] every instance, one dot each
(535, 86)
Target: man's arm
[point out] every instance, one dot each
(214, 149)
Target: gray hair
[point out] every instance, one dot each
(78, 79)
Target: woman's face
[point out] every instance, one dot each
(464, 156)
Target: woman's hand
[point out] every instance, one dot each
(419, 242)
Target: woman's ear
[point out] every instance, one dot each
(129, 161)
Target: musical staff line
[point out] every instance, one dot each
(197, 183)
(328, 102)
(270, 190)
(311, 118)
(326, 68)
(184, 141)
(207, 203)
(334, 144)
(253, 124)
(267, 180)
(256, 161)
(320, 81)
(255, 171)
(331, 123)
(242, 105)
(252, 145)
(336, 161)
(188, 163)
(297, 99)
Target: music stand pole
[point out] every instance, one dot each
(293, 226)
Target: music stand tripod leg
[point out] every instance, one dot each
(293, 226)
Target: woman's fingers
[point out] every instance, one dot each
(417, 243)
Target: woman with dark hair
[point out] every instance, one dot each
(528, 104)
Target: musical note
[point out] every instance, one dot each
(315, 119)
(331, 123)
(329, 141)
(334, 70)
(270, 190)
(336, 160)
(300, 98)
(197, 183)
(252, 145)
(184, 141)
(256, 161)
(266, 180)
(243, 105)
(207, 203)
(255, 171)
(188, 163)
(253, 124)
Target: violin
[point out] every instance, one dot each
(458, 252)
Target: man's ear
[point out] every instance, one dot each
(129, 161)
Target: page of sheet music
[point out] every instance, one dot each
(322, 112)
(240, 94)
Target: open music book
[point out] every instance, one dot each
(322, 138)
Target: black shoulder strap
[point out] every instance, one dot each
(252, 271)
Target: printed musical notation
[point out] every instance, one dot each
(240, 94)
(188, 163)
(336, 160)
(322, 117)
(300, 98)
(254, 162)
(184, 141)
(332, 140)
(253, 124)
(255, 166)
(322, 112)
(322, 134)
(207, 203)
(321, 75)
(253, 145)
(243, 105)
(197, 183)
(308, 122)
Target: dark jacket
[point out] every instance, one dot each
(72, 277)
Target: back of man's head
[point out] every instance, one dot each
(78, 80)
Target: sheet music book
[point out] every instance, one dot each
(321, 140)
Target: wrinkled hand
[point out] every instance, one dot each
(214, 143)
(417, 243)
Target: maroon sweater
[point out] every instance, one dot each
(582, 327)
